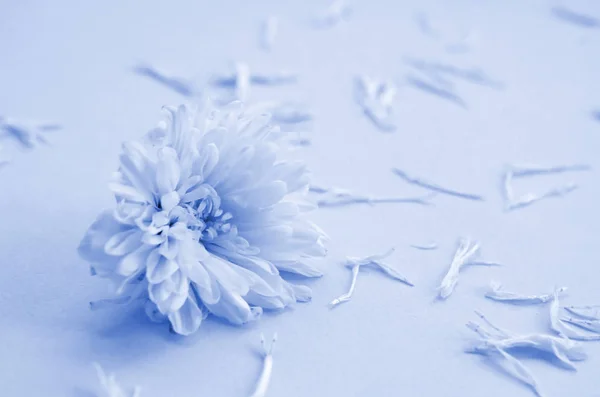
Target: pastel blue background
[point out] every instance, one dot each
(70, 61)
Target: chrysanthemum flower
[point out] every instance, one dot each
(206, 218)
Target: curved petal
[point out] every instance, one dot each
(169, 201)
(136, 166)
(250, 262)
(208, 159)
(158, 292)
(227, 276)
(294, 174)
(231, 307)
(180, 130)
(133, 262)
(123, 242)
(91, 247)
(153, 239)
(159, 268)
(179, 231)
(261, 196)
(131, 213)
(276, 237)
(167, 170)
(126, 192)
(171, 294)
(301, 292)
(187, 319)
(266, 302)
(169, 248)
(207, 289)
(199, 192)
(299, 267)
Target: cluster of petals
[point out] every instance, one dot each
(207, 220)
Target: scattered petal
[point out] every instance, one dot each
(262, 384)
(585, 312)
(561, 328)
(110, 387)
(178, 84)
(425, 247)
(499, 343)
(434, 187)
(466, 254)
(374, 261)
(523, 171)
(497, 293)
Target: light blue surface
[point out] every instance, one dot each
(71, 62)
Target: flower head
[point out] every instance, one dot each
(206, 218)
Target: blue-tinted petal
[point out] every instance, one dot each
(299, 267)
(169, 201)
(92, 245)
(231, 307)
(153, 239)
(187, 319)
(159, 268)
(123, 242)
(169, 248)
(133, 262)
(301, 292)
(167, 171)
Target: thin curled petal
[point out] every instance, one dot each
(497, 293)
(564, 330)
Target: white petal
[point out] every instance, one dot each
(231, 307)
(171, 294)
(261, 196)
(159, 268)
(169, 248)
(133, 262)
(199, 192)
(133, 214)
(158, 293)
(516, 369)
(188, 183)
(294, 174)
(273, 235)
(284, 210)
(160, 219)
(169, 201)
(300, 268)
(167, 170)
(226, 275)
(179, 231)
(266, 302)
(207, 160)
(92, 245)
(127, 192)
(187, 319)
(192, 268)
(302, 292)
(153, 239)
(123, 242)
(250, 262)
(136, 166)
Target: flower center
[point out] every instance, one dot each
(209, 219)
